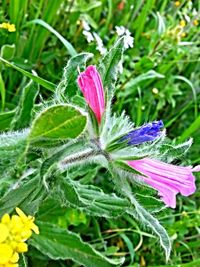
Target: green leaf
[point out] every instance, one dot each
(23, 196)
(148, 220)
(138, 212)
(68, 86)
(129, 244)
(116, 128)
(194, 91)
(195, 263)
(50, 209)
(66, 43)
(108, 67)
(7, 51)
(12, 147)
(175, 150)
(150, 203)
(5, 119)
(46, 84)
(91, 199)
(23, 262)
(24, 110)
(58, 243)
(58, 122)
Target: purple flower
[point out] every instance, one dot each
(91, 86)
(168, 179)
(148, 132)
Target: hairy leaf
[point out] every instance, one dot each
(12, 149)
(58, 122)
(59, 243)
(24, 110)
(23, 195)
(91, 199)
(68, 87)
(140, 213)
(114, 130)
(108, 67)
(5, 119)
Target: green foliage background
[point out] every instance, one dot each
(160, 80)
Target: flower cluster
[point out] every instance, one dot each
(8, 26)
(15, 230)
(167, 179)
(93, 36)
(128, 39)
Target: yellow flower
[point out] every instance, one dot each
(155, 91)
(14, 231)
(182, 23)
(8, 26)
(11, 28)
(28, 221)
(6, 253)
(22, 247)
(3, 25)
(4, 232)
(195, 22)
(177, 3)
(6, 218)
(183, 34)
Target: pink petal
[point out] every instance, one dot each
(167, 194)
(168, 179)
(196, 169)
(91, 86)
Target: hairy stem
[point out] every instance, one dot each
(80, 156)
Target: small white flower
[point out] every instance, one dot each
(100, 46)
(102, 50)
(127, 32)
(85, 25)
(187, 18)
(128, 39)
(88, 36)
(120, 30)
(194, 12)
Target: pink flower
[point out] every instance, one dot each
(168, 179)
(91, 86)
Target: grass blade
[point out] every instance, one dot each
(3, 92)
(189, 131)
(67, 44)
(46, 84)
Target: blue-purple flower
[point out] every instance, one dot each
(147, 132)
